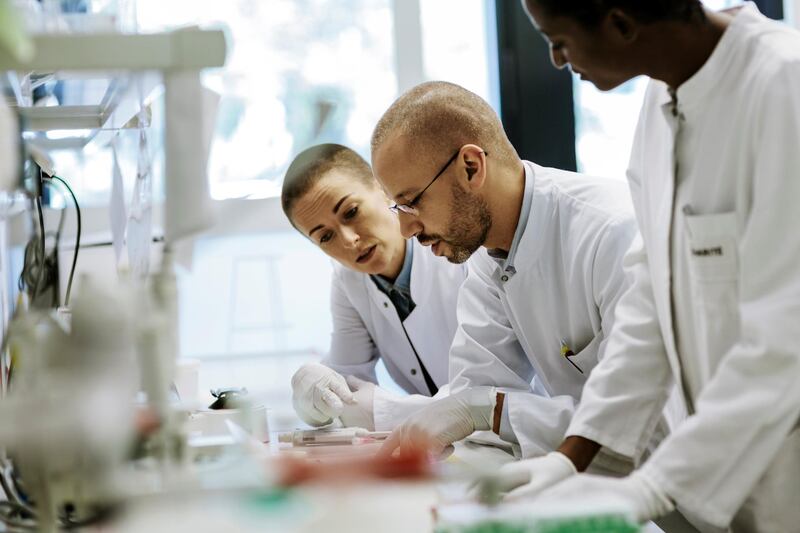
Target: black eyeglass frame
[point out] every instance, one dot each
(410, 207)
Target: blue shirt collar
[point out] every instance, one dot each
(403, 281)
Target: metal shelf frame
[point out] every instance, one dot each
(171, 60)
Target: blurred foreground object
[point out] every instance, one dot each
(599, 516)
(10, 140)
(410, 463)
(14, 40)
(70, 404)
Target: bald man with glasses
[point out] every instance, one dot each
(545, 250)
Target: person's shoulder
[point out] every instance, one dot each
(656, 94)
(769, 83)
(607, 197)
(347, 279)
(480, 261)
(771, 49)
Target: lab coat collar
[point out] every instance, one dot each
(507, 263)
(694, 90)
(538, 209)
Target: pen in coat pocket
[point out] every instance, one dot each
(567, 352)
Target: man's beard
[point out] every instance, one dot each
(469, 224)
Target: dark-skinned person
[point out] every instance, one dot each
(715, 302)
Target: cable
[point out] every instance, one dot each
(4, 484)
(40, 212)
(12, 523)
(40, 275)
(77, 237)
(62, 215)
(10, 488)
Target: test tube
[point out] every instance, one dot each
(329, 437)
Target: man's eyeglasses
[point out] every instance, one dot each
(410, 208)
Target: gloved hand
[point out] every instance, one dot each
(379, 409)
(445, 421)
(359, 414)
(638, 491)
(319, 394)
(528, 477)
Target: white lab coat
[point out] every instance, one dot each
(568, 279)
(715, 300)
(366, 327)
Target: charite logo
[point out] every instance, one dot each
(707, 252)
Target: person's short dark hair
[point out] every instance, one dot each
(591, 12)
(312, 164)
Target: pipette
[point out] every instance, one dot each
(331, 436)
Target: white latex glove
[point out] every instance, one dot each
(640, 493)
(319, 394)
(445, 421)
(528, 477)
(359, 414)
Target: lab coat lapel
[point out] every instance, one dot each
(522, 304)
(663, 199)
(528, 276)
(418, 325)
(379, 299)
(420, 286)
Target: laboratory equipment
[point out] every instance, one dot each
(332, 436)
(10, 148)
(209, 422)
(70, 405)
(600, 516)
(228, 398)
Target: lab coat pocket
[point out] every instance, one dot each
(714, 271)
(586, 359)
(713, 254)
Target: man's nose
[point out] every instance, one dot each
(410, 225)
(557, 58)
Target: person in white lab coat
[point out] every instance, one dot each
(390, 298)
(715, 301)
(545, 251)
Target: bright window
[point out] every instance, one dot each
(460, 45)
(299, 72)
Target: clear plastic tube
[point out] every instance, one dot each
(331, 436)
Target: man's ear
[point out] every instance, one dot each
(620, 26)
(475, 166)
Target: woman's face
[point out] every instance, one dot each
(350, 221)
